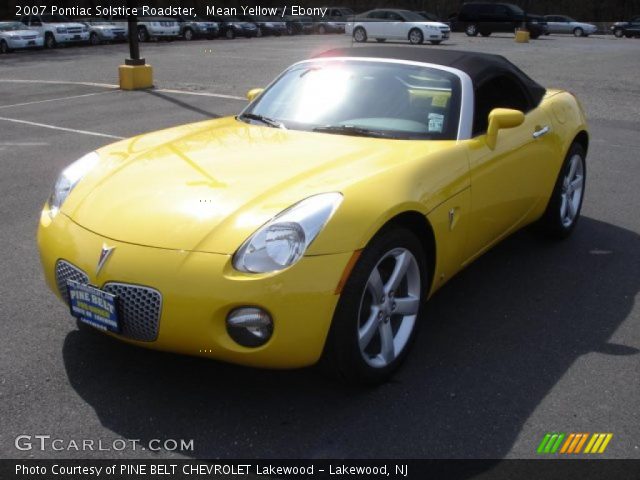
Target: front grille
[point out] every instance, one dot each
(65, 271)
(139, 307)
(74, 30)
(167, 24)
(28, 37)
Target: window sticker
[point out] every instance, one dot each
(440, 101)
(436, 122)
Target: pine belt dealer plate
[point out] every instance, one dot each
(93, 306)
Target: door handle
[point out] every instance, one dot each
(541, 131)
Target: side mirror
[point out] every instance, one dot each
(500, 118)
(253, 93)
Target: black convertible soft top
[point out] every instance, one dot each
(479, 66)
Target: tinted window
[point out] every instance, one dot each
(498, 92)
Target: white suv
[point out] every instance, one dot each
(56, 29)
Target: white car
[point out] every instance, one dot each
(388, 24)
(157, 27)
(103, 31)
(564, 24)
(57, 29)
(14, 35)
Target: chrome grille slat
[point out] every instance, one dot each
(139, 307)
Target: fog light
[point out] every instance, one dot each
(250, 327)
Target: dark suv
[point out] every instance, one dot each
(627, 29)
(486, 18)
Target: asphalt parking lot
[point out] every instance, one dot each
(534, 337)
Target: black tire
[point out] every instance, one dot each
(230, 34)
(4, 47)
(50, 40)
(485, 34)
(94, 39)
(342, 356)
(322, 29)
(415, 37)
(381, 40)
(143, 34)
(188, 34)
(534, 36)
(471, 30)
(618, 33)
(551, 223)
(360, 35)
(578, 32)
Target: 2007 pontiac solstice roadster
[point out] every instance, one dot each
(315, 224)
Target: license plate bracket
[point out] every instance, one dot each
(93, 306)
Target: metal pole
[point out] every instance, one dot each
(134, 46)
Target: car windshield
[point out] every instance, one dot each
(364, 98)
(6, 27)
(54, 19)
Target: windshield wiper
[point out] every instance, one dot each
(266, 120)
(352, 130)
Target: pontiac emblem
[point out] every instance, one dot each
(105, 253)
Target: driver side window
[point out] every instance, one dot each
(498, 92)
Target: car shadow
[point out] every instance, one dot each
(496, 340)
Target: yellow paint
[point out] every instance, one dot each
(178, 203)
(522, 36)
(135, 77)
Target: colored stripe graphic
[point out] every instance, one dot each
(573, 443)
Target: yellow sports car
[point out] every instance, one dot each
(315, 224)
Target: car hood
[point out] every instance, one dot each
(68, 25)
(19, 33)
(208, 186)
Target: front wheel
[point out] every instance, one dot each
(578, 32)
(563, 210)
(360, 35)
(143, 34)
(416, 37)
(471, 30)
(188, 34)
(377, 315)
(230, 34)
(618, 33)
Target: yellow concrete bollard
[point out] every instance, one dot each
(135, 77)
(522, 36)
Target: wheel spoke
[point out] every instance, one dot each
(407, 305)
(572, 208)
(375, 286)
(399, 271)
(369, 329)
(387, 351)
(572, 169)
(576, 184)
(563, 206)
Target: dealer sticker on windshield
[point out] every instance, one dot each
(93, 306)
(436, 122)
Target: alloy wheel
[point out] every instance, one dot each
(572, 190)
(389, 307)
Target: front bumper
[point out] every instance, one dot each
(17, 43)
(71, 37)
(198, 290)
(164, 32)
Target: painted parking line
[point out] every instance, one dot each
(57, 99)
(63, 129)
(117, 87)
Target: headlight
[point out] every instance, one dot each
(282, 241)
(61, 30)
(68, 179)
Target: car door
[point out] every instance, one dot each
(395, 26)
(374, 24)
(509, 181)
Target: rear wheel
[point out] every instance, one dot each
(377, 315)
(563, 210)
(188, 34)
(49, 40)
(360, 35)
(618, 33)
(416, 37)
(94, 39)
(471, 30)
(578, 32)
(230, 34)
